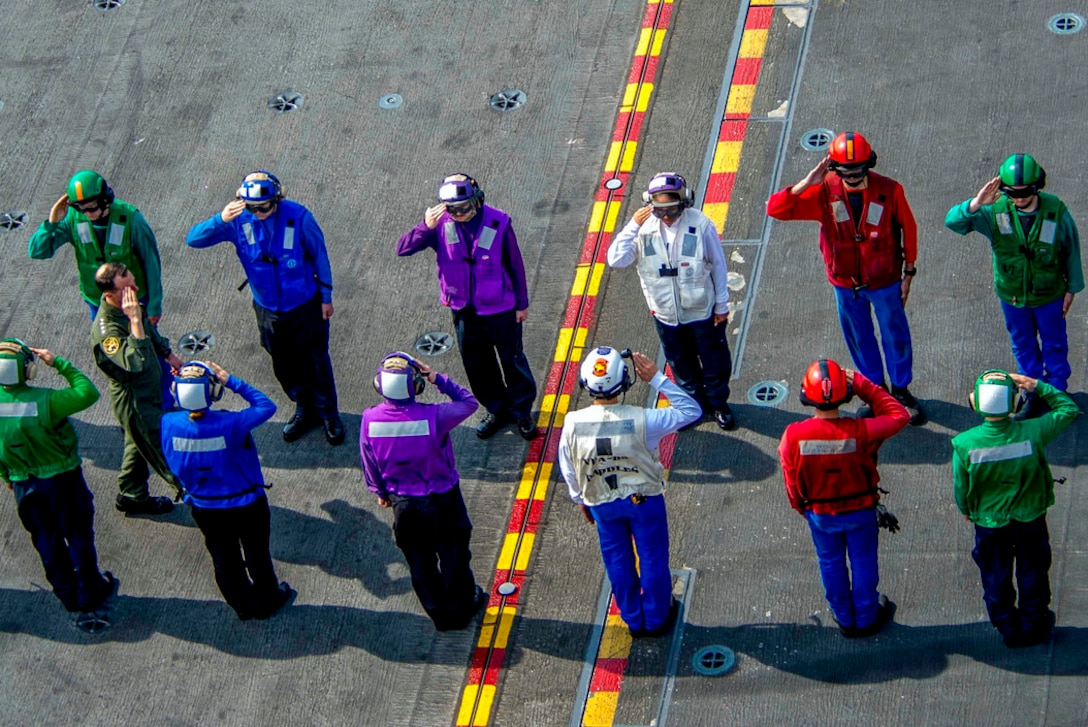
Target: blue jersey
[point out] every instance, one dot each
(214, 456)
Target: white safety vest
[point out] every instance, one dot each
(609, 453)
(676, 281)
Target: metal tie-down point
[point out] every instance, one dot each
(196, 342)
(714, 660)
(507, 589)
(108, 4)
(614, 183)
(1065, 23)
(285, 102)
(434, 343)
(768, 393)
(12, 220)
(817, 139)
(390, 101)
(508, 99)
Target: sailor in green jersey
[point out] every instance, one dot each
(39, 461)
(1037, 267)
(1003, 485)
(127, 349)
(102, 228)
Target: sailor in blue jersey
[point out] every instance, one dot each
(282, 249)
(215, 458)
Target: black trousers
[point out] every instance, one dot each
(498, 371)
(433, 532)
(58, 512)
(298, 342)
(1023, 548)
(237, 541)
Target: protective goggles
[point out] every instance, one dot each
(1023, 193)
(261, 208)
(460, 209)
(855, 171)
(670, 210)
(84, 207)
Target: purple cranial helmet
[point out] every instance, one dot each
(671, 183)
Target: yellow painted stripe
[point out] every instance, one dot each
(636, 96)
(553, 403)
(525, 551)
(600, 709)
(658, 41)
(717, 212)
(740, 99)
(753, 43)
(581, 277)
(562, 346)
(528, 476)
(615, 639)
(506, 555)
(726, 157)
(613, 211)
(596, 217)
(628, 159)
(643, 42)
(468, 698)
(594, 288)
(613, 156)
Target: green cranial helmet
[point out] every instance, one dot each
(1022, 169)
(89, 185)
(995, 393)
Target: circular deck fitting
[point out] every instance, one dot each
(768, 393)
(196, 342)
(713, 661)
(508, 99)
(12, 220)
(434, 343)
(390, 101)
(1065, 23)
(507, 589)
(613, 183)
(93, 622)
(285, 102)
(816, 139)
(108, 4)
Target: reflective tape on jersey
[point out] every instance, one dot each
(828, 446)
(1016, 450)
(19, 409)
(211, 444)
(398, 429)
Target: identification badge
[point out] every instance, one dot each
(1047, 233)
(117, 235)
(111, 346)
(1004, 223)
(840, 211)
(876, 211)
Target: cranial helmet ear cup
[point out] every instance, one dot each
(107, 192)
(1042, 179)
(27, 362)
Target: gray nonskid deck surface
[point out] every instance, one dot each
(169, 102)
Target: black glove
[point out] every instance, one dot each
(886, 520)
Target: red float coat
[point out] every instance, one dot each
(829, 465)
(868, 252)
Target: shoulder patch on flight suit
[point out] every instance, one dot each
(111, 345)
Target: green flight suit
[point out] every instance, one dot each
(135, 376)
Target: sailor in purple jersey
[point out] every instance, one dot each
(481, 279)
(407, 460)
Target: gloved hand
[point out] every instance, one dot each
(59, 210)
(885, 519)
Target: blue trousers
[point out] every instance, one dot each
(643, 593)
(700, 359)
(58, 512)
(851, 591)
(298, 342)
(497, 369)
(1025, 549)
(1039, 343)
(856, 320)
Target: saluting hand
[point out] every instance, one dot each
(643, 213)
(433, 215)
(987, 195)
(644, 367)
(59, 210)
(814, 177)
(130, 304)
(220, 372)
(44, 355)
(234, 208)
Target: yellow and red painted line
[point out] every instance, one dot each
(478, 694)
